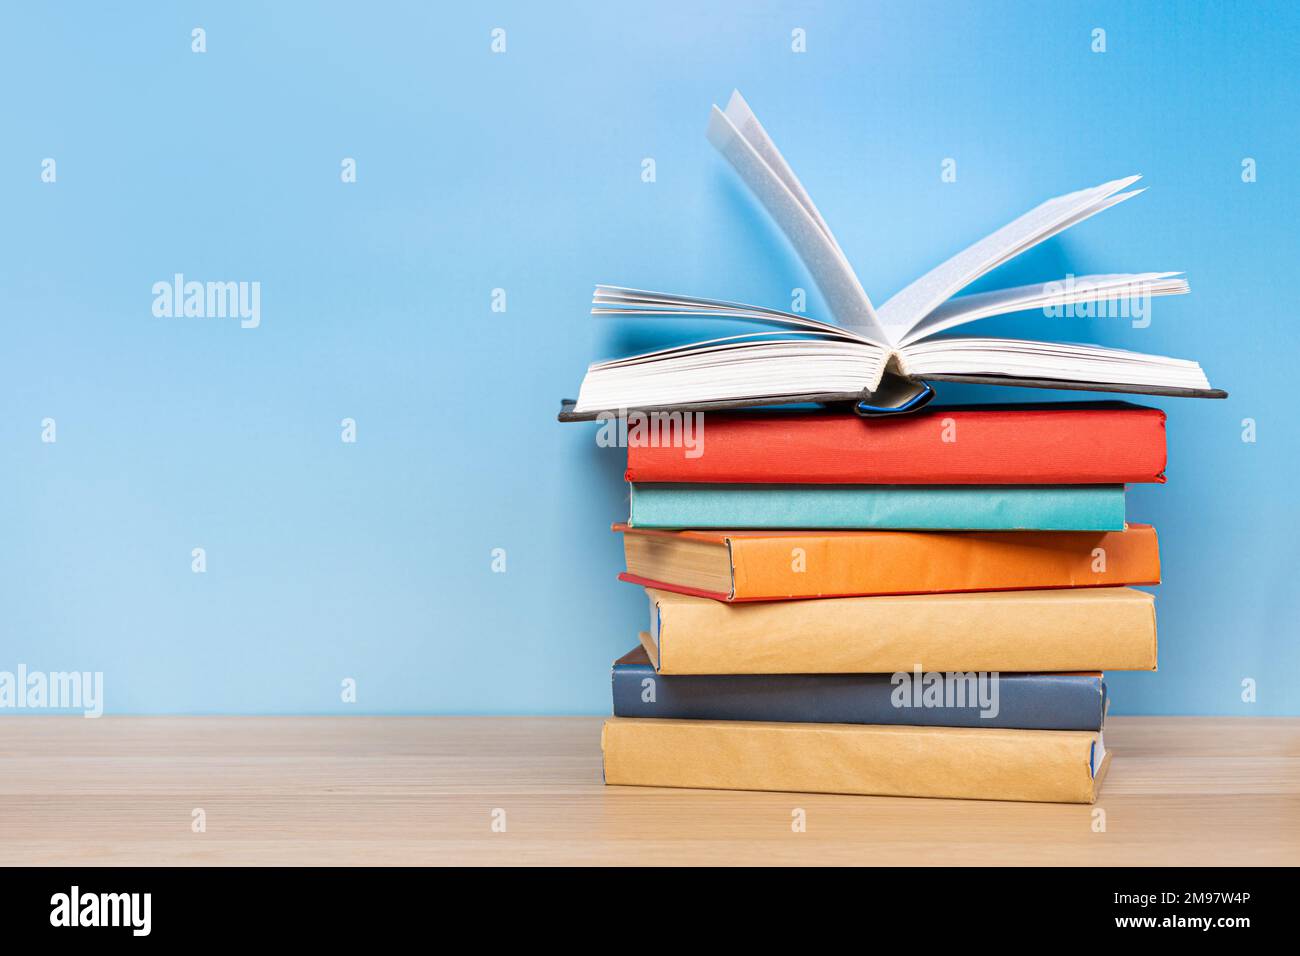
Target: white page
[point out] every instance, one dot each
(1053, 360)
(1074, 290)
(1059, 228)
(723, 344)
(615, 293)
(615, 300)
(914, 303)
(848, 301)
(733, 371)
(752, 130)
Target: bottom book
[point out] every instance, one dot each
(1046, 766)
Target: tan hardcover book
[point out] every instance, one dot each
(1046, 766)
(1074, 629)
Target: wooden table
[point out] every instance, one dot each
(428, 790)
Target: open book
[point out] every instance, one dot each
(878, 358)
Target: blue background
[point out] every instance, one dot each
(522, 171)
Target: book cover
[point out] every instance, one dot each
(926, 507)
(1071, 629)
(932, 699)
(781, 565)
(1050, 444)
(1050, 766)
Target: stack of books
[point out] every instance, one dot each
(882, 596)
(786, 653)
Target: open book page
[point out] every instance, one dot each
(1067, 362)
(616, 300)
(714, 347)
(902, 312)
(848, 303)
(1069, 291)
(743, 118)
(748, 368)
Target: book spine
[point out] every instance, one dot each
(1023, 701)
(944, 446)
(1074, 629)
(902, 562)
(1050, 766)
(937, 508)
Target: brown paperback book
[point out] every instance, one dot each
(1071, 629)
(1050, 766)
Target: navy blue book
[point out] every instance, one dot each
(931, 699)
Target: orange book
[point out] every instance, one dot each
(782, 565)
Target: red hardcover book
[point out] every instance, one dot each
(1068, 443)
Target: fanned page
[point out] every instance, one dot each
(616, 300)
(747, 124)
(910, 306)
(798, 218)
(1072, 291)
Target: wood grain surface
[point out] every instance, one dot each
(427, 790)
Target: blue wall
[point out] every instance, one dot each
(371, 560)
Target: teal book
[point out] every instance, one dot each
(902, 507)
